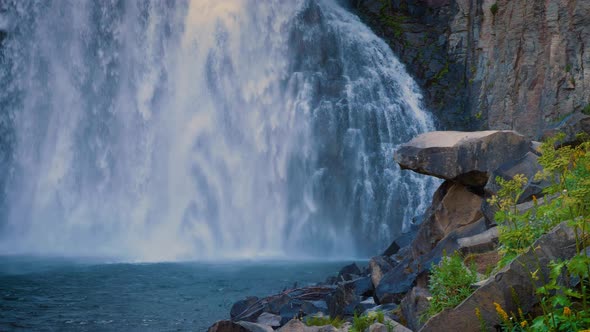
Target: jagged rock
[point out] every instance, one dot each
(242, 305)
(226, 326)
(453, 206)
(255, 327)
(349, 272)
(378, 266)
(528, 166)
(343, 301)
(266, 318)
(512, 281)
(413, 305)
(362, 286)
(464, 157)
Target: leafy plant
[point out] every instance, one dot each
(564, 303)
(323, 321)
(450, 283)
(586, 110)
(361, 323)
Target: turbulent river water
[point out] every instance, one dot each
(197, 130)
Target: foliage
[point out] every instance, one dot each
(586, 110)
(361, 323)
(494, 9)
(564, 297)
(450, 283)
(323, 321)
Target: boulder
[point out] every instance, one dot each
(242, 305)
(571, 126)
(297, 309)
(479, 243)
(464, 157)
(349, 272)
(414, 305)
(296, 325)
(343, 301)
(226, 326)
(378, 266)
(266, 318)
(453, 206)
(513, 281)
(255, 327)
(529, 166)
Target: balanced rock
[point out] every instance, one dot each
(465, 157)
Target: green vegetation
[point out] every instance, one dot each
(568, 68)
(323, 321)
(586, 110)
(564, 304)
(361, 323)
(441, 73)
(450, 283)
(494, 9)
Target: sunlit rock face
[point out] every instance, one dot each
(156, 130)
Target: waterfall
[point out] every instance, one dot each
(165, 130)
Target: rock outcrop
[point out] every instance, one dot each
(501, 64)
(464, 157)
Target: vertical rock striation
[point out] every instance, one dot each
(497, 64)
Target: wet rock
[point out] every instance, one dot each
(414, 305)
(512, 281)
(297, 309)
(226, 326)
(464, 157)
(343, 301)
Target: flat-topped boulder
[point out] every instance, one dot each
(464, 157)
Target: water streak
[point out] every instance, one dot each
(157, 130)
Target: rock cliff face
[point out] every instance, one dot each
(486, 64)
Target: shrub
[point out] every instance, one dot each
(450, 283)
(323, 321)
(586, 110)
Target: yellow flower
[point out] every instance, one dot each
(567, 311)
(523, 324)
(478, 313)
(535, 200)
(501, 312)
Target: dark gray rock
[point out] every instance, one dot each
(349, 272)
(266, 318)
(413, 305)
(242, 305)
(464, 157)
(528, 166)
(378, 266)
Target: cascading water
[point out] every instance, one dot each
(158, 130)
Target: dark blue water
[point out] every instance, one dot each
(43, 294)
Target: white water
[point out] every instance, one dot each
(206, 129)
